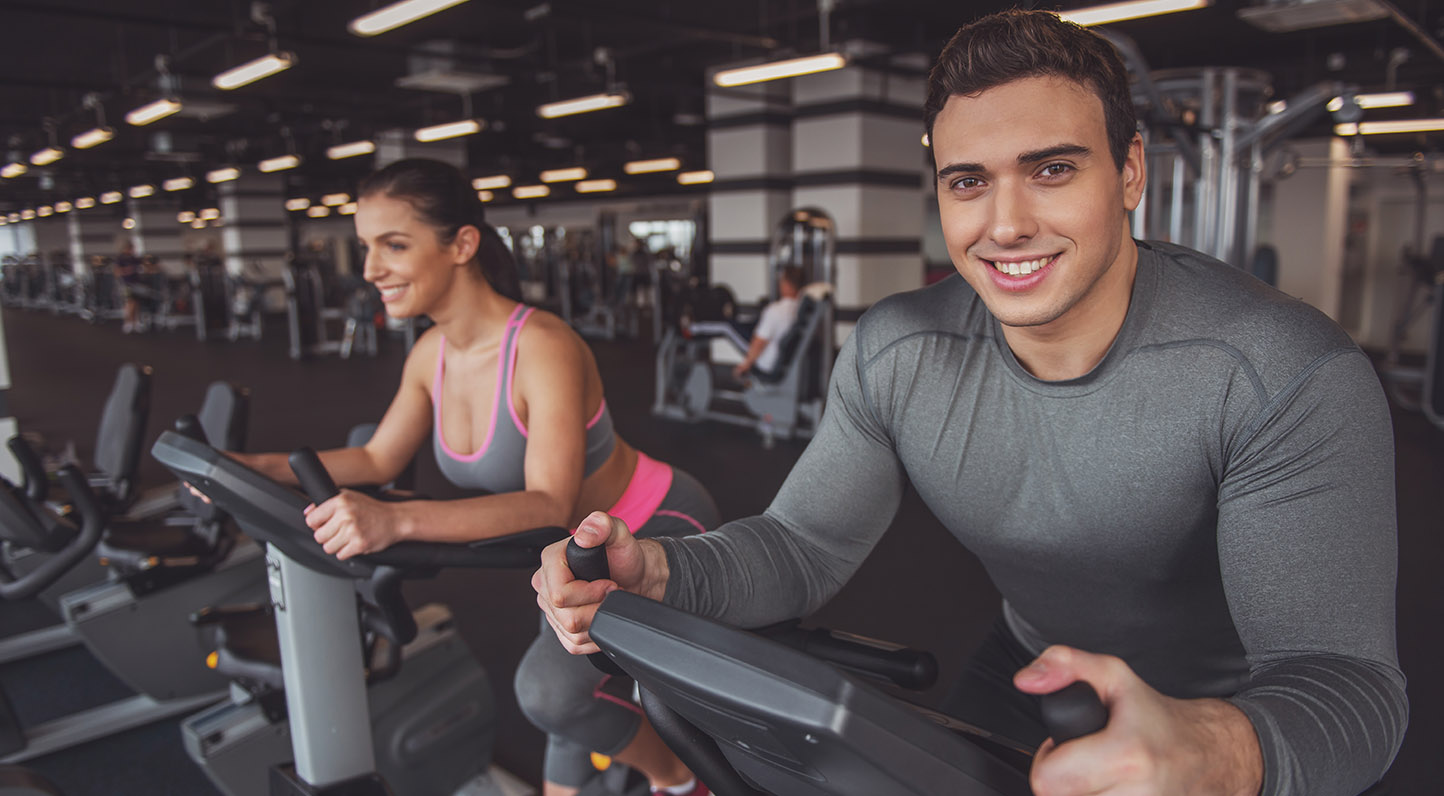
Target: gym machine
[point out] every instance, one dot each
(311, 311)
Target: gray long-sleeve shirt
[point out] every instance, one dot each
(1213, 503)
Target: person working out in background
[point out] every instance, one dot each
(777, 318)
(1180, 479)
(514, 405)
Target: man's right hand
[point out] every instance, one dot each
(638, 566)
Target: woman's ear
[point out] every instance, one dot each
(466, 243)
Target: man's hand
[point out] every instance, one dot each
(1153, 744)
(352, 524)
(637, 566)
(740, 369)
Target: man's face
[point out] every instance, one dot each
(1033, 206)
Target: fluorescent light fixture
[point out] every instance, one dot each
(485, 196)
(440, 132)
(85, 203)
(279, 164)
(209, 214)
(146, 114)
(776, 70)
(178, 184)
(250, 72)
(141, 191)
(319, 211)
(185, 216)
(3, 222)
(28, 215)
(695, 177)
(47, 156)
(1387, 99)
(564, 175)
(111, 197)
(335, 199)
(44, 211)
(223, 175)
(348, 209)
(13, 170)
(530, 191)
(594, 102)
(64, 207)
(14, 218)
(198, 223)
(491, 183)
(927, 141)
(1132, 9)
(1278, 106)
(1396, 126)
(351, 150)
(397, 14)
(93, 137)
(299, 203)
(128, 223)
(649, 166)
(596, 186)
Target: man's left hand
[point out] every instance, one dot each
(1153, 744)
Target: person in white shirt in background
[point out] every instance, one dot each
(776, 318)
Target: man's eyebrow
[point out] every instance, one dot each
(955, 168)
(1059, 151)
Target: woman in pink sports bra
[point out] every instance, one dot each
(515, 402)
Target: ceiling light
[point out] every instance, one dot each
(14, 217)
(1131, 9)
(279, 164)
(530, 191)
(47, 156)
(491, 183)
(348, 209)
(1397, 126)
(223, 175)
(199, 223)
(3, 222)
(396, 15)
(1388, 99)
(141, 191)
(564, 175)
(927, 140)
(128, 223)
(485, 196)
(146, 114)
(250, 72)
(351, 150)
(185, 216)
(335, 199)
(178, 184)
(319, 211)
(209, 213)
(695, 177)
(649, 166)
(13, 170)
(44, 211)
(299, 203)
(777, 70)
(111, 197)
(64, 207)
(85, 203)
(93, 137)
(28, 215)
(449, 130)
(596, 186)
(595, 102)
(1278, 106)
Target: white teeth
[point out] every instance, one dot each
(1022, 268)
(392, 291)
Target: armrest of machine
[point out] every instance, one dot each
(36, 483)
(92, 525)
(722, 329)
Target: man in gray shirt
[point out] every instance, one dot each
(1180, 480)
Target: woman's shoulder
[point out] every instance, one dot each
(542, 328)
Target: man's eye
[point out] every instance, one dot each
(968, 183)
(1057, 169)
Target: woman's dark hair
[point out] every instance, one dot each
(1012, 45)
(442, 197)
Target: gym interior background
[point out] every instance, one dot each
(1299, 139)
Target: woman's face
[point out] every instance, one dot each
(404, 257)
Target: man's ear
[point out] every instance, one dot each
(1135, 174)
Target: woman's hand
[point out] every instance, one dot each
(352, 524)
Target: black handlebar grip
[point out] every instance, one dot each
(191, 427)
(1072, 712)
(590, 563)
(315, 481)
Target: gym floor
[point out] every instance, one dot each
(62, 368)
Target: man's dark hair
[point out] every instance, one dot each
(1016, 44)
(443, 197)
(792, 275)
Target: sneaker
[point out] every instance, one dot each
(698, 789)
